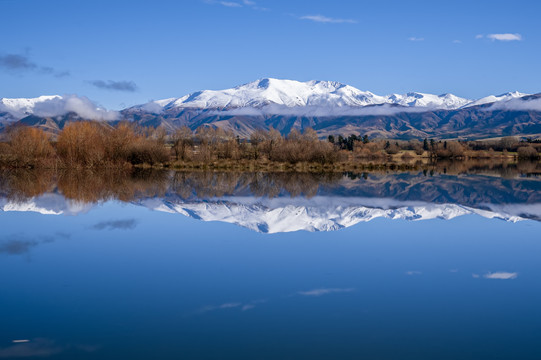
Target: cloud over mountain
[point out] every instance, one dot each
(51, 106)
(329, 107)
(517, 104)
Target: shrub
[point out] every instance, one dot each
(527, 152)
(83, 144)
(28, 147)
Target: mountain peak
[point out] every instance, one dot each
(314, 93)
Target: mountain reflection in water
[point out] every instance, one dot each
(282, 202)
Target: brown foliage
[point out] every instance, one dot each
(392, 149)
(83, 144)
(27, 147)
(527, 152)
(304, 147)
(90, 186)
(450, 149)
(182, 143)
(91, 144)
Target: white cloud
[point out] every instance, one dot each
(505, 37)
(457, 42)
(82, 106)
(230, 4)
(516, 105)
(324, 291)
(232, 305)
(152, 107)
(219, 307)
(237, 4)
(326, 19)
(51, 106)
(501, 275)
(413, 273)
(413, 38)
(229, 305)
(501, 37)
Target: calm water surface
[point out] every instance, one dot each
(270, 266)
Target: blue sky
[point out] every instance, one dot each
(121, 53)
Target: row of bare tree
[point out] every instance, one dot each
(441, 149)
(89, 144)
(208, 144)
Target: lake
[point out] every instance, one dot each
(433, 264)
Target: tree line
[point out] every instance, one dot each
(90, 144)
(362, 147)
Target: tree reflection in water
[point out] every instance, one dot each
(428, 184)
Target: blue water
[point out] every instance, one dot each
(121, 281)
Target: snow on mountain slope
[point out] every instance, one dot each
(496, 98)
(290, 93)
(265, 96)
(281, 92)
(320, 213)
(285, 214)
(22, 107)
(55, 105)
(415, 99)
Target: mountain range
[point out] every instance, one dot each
(328, 107)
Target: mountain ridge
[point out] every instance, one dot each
(309, 93)
(327, 106)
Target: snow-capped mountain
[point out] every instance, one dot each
(333, 108)
(329, 107)
(22, 107)
(497, 98)
(321, 213)
(268, 91)
(290, 93)
(258, 94)
(285, 214)
(415, 99)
